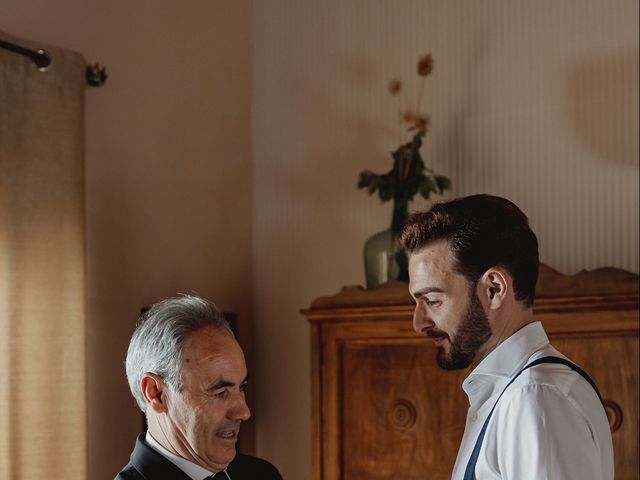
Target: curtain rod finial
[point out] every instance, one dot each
(96, 75)
(42, 60)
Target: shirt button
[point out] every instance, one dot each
(474, 416)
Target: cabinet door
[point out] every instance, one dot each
(612, 361)
(402, 416)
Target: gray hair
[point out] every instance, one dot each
(158, 341)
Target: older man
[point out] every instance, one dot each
(188, 375)
(533, 414)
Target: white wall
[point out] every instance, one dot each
(533, 100)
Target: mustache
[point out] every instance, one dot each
(434, 332)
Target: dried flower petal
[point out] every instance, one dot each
(394, 86)
(425, 65)
(408, 116)
(421, 123)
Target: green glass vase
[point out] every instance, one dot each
(384, 258)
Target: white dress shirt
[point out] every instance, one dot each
(548, 425)
(194, 471)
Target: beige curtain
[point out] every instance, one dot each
(42, 273)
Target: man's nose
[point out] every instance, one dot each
(240, 409)
(420, 318)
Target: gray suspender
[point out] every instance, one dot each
(471, 466)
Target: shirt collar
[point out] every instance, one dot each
(494, 371)
(196, 472)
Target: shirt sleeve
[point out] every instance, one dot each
(542, 435)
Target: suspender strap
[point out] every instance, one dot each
(471, 466)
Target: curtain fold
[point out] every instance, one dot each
(42, 267)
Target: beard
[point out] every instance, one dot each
(473, 332)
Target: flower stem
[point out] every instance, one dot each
(399, 122)
(400, 212)
(420, 94)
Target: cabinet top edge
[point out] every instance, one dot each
(605, 285)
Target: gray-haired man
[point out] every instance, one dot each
(188, 375)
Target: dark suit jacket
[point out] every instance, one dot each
(147, 464)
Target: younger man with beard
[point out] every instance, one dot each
(473, 266)
(188, 375)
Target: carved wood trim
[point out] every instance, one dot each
(602, 288)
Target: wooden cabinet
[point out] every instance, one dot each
(383, 409)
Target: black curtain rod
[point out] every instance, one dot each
(95, 75)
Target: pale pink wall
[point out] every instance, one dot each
(168, 174)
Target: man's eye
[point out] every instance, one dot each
(223, 394)
(432, 303)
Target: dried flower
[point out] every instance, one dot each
(409, 175)
(425, 65)
(408, 116)
(421, 123)
(394, 86)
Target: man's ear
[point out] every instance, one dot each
(154, 392)
(494, 286)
